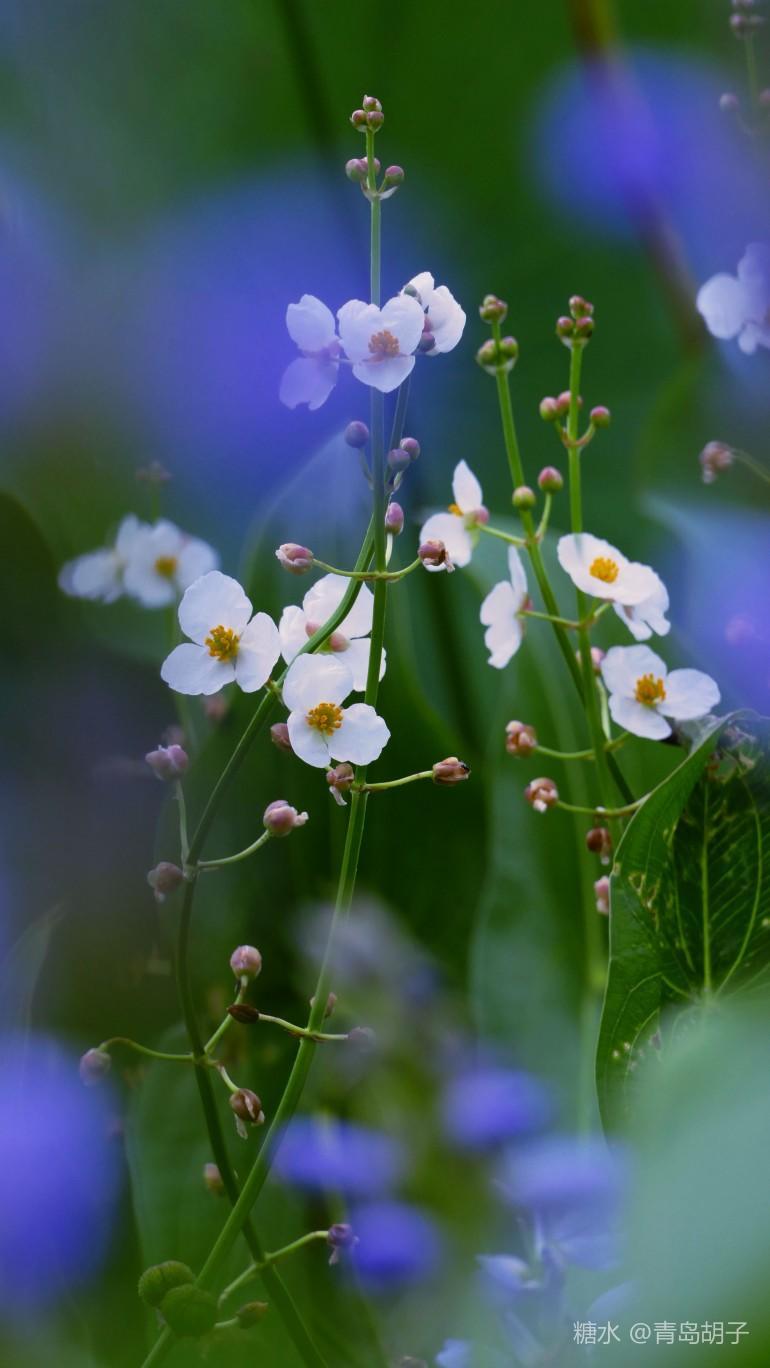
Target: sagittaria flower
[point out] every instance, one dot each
(312, 377)
(739, 306)
(381, 342)
(643, 694)
(457, 528)
(649, 616)
(226, 642)
(500, 613)
(98, 575)
(320, 729)
(163, 562)
(444, 318)
(598, 568)
(350, 641)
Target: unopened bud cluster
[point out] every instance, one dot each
(715, 458)
(520, 739)
(280, 818)
(168, 762)
(370, 116)
(575, 329)
(450, 771)
(744, 20)
(542, 794)
(495, 356)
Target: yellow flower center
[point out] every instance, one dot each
(456, 509)
(166, 566)
(382, 345)
(325, 718)
(222, 643)
(649, 690)
(604, 569)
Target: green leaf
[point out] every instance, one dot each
(21, 969)
(690, 900)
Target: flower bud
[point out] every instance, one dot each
(362, 1036)
(584, 328)
(542, 794)
(93, 1067)
(189, 1311)
(375, 119)
(246, 962)
(524, 497)
(520, 739)
(216, 706)
(600, 416)
(340, 780)
(715, 458)
(398, 459)
(356, 170)
(168, 762)
(251, 1314)
(394, 518)
(549, 409)
(164, 879)
(280, 818)
(580, 307)
(279, 735)
(435, 553)
(247, 1106)
(550, 480)
(331, 1003)
(599, 842)
(509, 349)
(371, 102)
(358, 118)
(294, 558)
(565, 328)
(492, 309)
(729, 103)
(356, 434)
(156, 1282)
(213, 1180)
(393, 178)
(411, 446)
(450, 771)
(340, 1238)
(563, 403)
(602, 895)
(597, 656)
(427, 342)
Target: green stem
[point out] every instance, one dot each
(145, 1050)
(582, 754)
(248, 1273)
(503, 536)
(301, 1031)
(367, 576)
(754, 466)
(546, 617)
(241, 855)
(394, 783)
(225, 1024)
(610, 813)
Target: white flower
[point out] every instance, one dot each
(649, 616)
(739, 305)
(320, 729)
(99, 574)
(456, 529)
(643, 694)
(381, 342)
(163, 562)
(444, 318)
(226, 642)
(312, 377)
(349, 641)
(500, 613)
(598, 568)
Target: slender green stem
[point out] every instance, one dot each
(749, 462)
(567, 623)
(241, 855)
(394, 783)
(302, 1031)
(375, 235)
(134, 1045)
(399, 415)
(615, 744)
(503, 536)
(312, 1237)
(367, 576)
(599, 811)
(224, 1075)
(183, 838)
(225, 1024)
(542, 526)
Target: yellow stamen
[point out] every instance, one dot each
(383, 345)
(325, 717)
(456, 509)
(604, 569)
(166, 566)
(222, 643)
(649, 690)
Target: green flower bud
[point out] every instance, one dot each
(251, 1314)
(600, 416)
(492, 309)
(524, 497)
(550, 480)
(189, 1311)
(157, 1281)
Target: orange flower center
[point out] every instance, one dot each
(649, 690)
(382, 345)
(222, 643)
(325, 718)
(166, 566)
(604, 569)
(456, 509)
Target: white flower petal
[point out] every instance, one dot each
(446, 320)
(291, 630)
(637, 718)
(518, 576)
(143, 583)
(499, 605)
(623, 665)
(306, 741)
(451, 530)
(215, 600)
(386, 375)
(310, 324)
(308, 380)
(504, 632)
(635, 583)
(424, 285)
(358, 322)
(724, 305)
(356, 657)
(404, 317)
(648, 616)
(313, 679)
(754, 272)
(361, 737)
(196, 558)
(689, 694)
(258, 649)
(191, 670)
(324, 597)
(127, 533)
(466, 489)
(577, 553)
(97, 576)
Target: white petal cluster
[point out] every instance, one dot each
(226, 642)
(457, 527)
(381, 342)
(312, 377)
(151, 563)
(320, 729)
(500, 613)
(643, 694)
(444, 318)
(598, 568)
(739, 306)
(350, 642)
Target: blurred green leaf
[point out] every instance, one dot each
(21, 968)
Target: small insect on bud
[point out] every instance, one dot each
(340, 1238)
(189, 1311)
(435, 553)
(542, 794)
(246, 962)
(247, 1107)
(251, 1314)
(156, 1282)
(279, 735)
(331, 1003)
(729, 103)
(602, 895)
(411, 446)
(524, 497)
(280, 818)
(393, 178)
(600, 416)
(715, 458)
(356, 170)
(550, 480)
(164, 880)
(394, 518)
(371, 102)
(450, 771)
(492, 309)
(520, 739)
(549, 409)
(294, 558)
(599, 842)
(168, 762)
(358, 118)
(243, 1013)
(356, 434)
(580, 307)
(213, 1180)
(93, 1067)
(340, 780)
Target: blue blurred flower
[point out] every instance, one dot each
(321, 1153)
(59, 1175)
(562, 1175)
(486, 1106)
(398, 1244)
(454, 1354)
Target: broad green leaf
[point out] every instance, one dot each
(690, 900)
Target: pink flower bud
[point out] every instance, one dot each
(600, 416)
(247, 1107)
(358, 118)
(356, 170)
(492, 309)
(340, 780)
(168, 762)
(427, 342)
(363, 1037)
(394, 518)
(340, 1238)
(550, 480)
(375, 119)
(216, 706)
(729, 103)
(246, 962)
(542, 794)
(450, 771)
(563, 403)
(715, 458)
(435, 553)
(213, 1180)
(411, 446)
(597, 656)
(599, 842)
(94, 1067)
(164, 879)
(524, 497)
(394, 176)
(279, 735)
(565, 328)
(331, 1003)
(580, 307)
(602, 895)
(280, 818)
(370, 102)
(520, 739)
(549, 409)
(356, 434)
(398, 459)
(296, 559)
